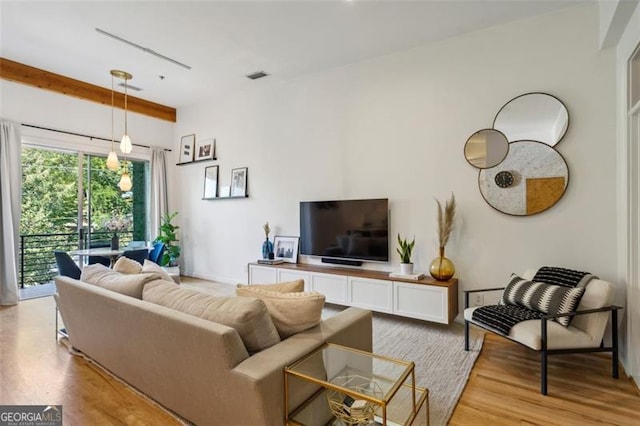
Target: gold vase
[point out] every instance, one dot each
(441, 268)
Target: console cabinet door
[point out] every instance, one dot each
(376, 295)
(421, 301)
(285, 275)
(262, 274)
(334, 287)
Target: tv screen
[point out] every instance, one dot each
(345, 229)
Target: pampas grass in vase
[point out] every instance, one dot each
(441, 268)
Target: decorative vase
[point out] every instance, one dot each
(441, 268)
(267, 249)
(115, 242)
(406, 268)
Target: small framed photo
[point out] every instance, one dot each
(205, 150)
(239, 182)
(286, 248)
(210, 182)
(187, 146)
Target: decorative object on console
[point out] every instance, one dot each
(210, 182)
(239, 182)
(354, 411)
(286, 248)
(267, 246)
(169, 238)
(405, 250)
(187, 147)
(532, 176)
(441, 268)
(205, 150)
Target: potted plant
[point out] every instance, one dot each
(169, 238)
(404, 250)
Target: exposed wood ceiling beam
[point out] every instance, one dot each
(25, 74)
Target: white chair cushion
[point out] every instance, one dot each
(529, 334)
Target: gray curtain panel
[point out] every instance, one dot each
(10, 205)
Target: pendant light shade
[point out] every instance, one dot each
(125, 144)
(125, 182)
(112, 161)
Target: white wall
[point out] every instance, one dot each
(30, 105)
(395, 127)
(627, 264)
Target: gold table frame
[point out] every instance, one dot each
(398, 383)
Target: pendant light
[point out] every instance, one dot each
(125, 144)
(112, 159)
(125, 183)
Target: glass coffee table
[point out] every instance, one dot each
(353, 387)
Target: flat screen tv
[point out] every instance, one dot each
(345, 231)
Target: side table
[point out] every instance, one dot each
(382, 388)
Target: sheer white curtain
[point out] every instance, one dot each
(10, 200)
(158, 190)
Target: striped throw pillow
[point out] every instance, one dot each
(541, 297)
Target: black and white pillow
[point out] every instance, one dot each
(541, 297)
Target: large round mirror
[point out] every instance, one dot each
(534, 117)
(486, 148)
(531, 179)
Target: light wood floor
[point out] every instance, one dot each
(502, 389)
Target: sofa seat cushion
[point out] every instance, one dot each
(295, 286)
(248, 316)
(529, 333)
(128, 284)
(291, 312)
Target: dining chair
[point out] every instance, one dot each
(66, 265)
(155, 255)
(99, 259)
(139, 255)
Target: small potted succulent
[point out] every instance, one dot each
(404, 250)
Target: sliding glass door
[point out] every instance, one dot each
(66, 199)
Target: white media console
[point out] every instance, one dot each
(425, 299)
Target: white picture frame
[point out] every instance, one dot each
(286, 248)
(205, 150)
(187, 147)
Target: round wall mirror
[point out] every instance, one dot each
(531, 179)
(486, 148)
(533, 117)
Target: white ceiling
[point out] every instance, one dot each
(224, 41)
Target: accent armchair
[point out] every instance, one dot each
(546, 335)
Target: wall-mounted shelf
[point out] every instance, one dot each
(196, 161)
(227, 198)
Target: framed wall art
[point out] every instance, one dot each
(239, 182)
(205, 150)
(210, 183)
(187, 147)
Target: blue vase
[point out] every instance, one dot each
(267, 247)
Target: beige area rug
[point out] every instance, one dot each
(442, 365)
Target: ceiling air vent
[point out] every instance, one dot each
(256, 75)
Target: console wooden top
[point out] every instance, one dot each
(361, 273)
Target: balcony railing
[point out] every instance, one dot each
(37, 264)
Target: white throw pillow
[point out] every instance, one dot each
(125, 265)
(291, 312)
(150, 266)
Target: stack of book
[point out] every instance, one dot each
(405, 276)
(270, 261)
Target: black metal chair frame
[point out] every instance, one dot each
(544, 351)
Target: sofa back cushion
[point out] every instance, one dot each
(128, 284)
(150, 266)
(125, 265)
(248, 316)
(291, 312)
